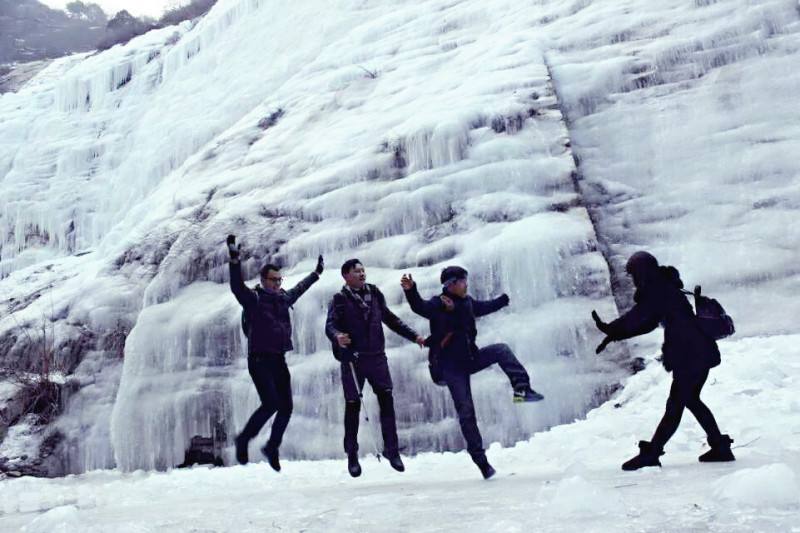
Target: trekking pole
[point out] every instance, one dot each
(366, 414)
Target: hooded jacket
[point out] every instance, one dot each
(659, 301)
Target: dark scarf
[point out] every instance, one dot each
(363, 302)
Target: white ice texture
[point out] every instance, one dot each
(413, 136)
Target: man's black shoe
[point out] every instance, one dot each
(395, 462)
(241, 450)
(271, 453)
(352, 465)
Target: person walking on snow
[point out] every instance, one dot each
(454, 356)
(354, 327)
(687, 352)
(269, 337)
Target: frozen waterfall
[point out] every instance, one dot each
(411, 136)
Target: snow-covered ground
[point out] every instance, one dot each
(567, 479)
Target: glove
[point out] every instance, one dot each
(504, 300)
(602, 326)
(233, 250)
(602, 345)
(320, 266)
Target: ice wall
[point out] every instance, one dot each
(411, 136)
(685, 120)
(416, 161)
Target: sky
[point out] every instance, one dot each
(153, 8)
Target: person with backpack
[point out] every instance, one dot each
(454, 356)
(354, 327)
(689, 352)
(268, 327)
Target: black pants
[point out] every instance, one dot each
(457, 375)
(685, 394)
(373, 368)
(273, 383)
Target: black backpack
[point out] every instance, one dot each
(246, 321)
(711, 316)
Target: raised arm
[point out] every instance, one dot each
(394, 323)
(246, 297)
(485, 307)
(293, 294)
(418, 305)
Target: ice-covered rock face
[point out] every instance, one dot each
(411, 136)
(685, 118)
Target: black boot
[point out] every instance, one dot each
(483, 464)
(648, 456)
(241, 449)
(271, 453)
(352, 465)
(526, 394)
(720, 451)
(395, 461)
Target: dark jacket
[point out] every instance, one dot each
(453, 332)
(659, 300)
(346, 315)
(268, 312)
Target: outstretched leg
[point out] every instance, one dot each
(504, 357)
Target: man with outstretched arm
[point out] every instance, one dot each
(269, 337)
(454, 356)
(355, 328)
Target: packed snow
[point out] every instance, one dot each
(566, 479)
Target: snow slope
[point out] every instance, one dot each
(566, 479)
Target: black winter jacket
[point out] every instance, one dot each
(268, 312)
(345, 315)
(659, 300)
(453, 332)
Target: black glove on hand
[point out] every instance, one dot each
(602, 345)
(320, 266)
(504, 300)
(233, 250)
(602, 326)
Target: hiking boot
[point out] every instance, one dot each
(648, 456)
(486, 469)
(241, 449)
(720, 451)
(395, 461)
(271, 453)
(526, 394)
(353, 467)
